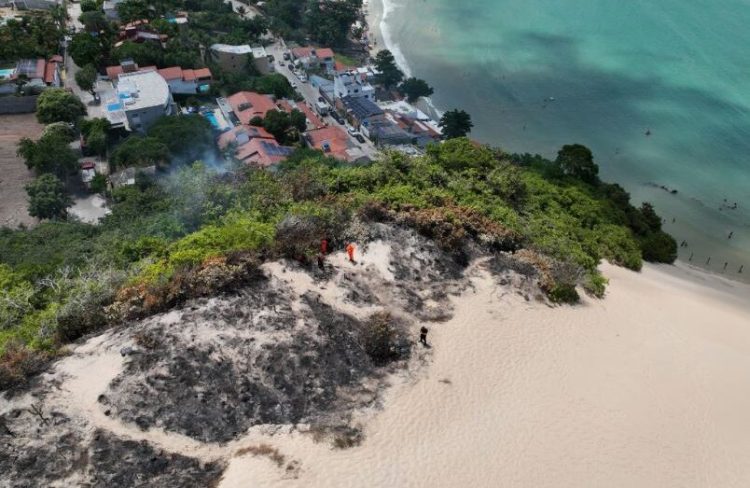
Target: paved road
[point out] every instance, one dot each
(311, 94)
(71, 68)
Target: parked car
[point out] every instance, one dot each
(287, 56)
(337, 117)
(352, 131)
(290, 66)
(360, 138)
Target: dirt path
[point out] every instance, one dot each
(13, 172)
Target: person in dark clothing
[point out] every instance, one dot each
(423, 335)
(321, 261)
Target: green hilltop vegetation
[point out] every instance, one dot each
(195, 231)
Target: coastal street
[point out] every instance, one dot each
(311, 94)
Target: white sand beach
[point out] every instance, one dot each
(649, 387)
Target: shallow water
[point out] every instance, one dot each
(538, 74)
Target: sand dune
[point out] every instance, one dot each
(649, 387)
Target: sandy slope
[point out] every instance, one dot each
(650, 387)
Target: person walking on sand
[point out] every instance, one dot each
(350, 251)
(423, 335)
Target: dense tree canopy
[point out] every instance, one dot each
(95, 135)
(94, 21)
(33, 35)
(188, 137)
(131, 10)
(50, 154)
(390, 74)
(285, 127)
(455, 123)
(329, 21)
(414, 88)
(86, 77)
(58, 105)
(48, 198)
(577, 161)
(86, 48)
(140, 151)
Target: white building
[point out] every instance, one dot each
(261, 60)
(231, 58)
(352, 84)
(139, 100)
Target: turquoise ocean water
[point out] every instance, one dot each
(537, 74)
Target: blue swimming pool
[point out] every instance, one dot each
(7, 73)
(113, 107)
(212, 119)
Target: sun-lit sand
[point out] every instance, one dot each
(647, 388)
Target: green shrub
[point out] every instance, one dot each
(659, 247)
(595, 284)
(563, 293)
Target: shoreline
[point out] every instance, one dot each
(376, 12)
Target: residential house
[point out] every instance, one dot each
(140, 31)
(315, 58)
(187, 81)
(423, 129)
(335, 142)
(241, 135)
(29, 4)
(352, 84)
(312, 118)
(126, 66)
(180, 81)
(262, 61)
(262, 152)
(140, 98)
(246, 105)
(324, 86)
(39, 72)
(230, 58)
(386, 132)
(361, 112)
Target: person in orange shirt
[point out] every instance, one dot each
(350, 251)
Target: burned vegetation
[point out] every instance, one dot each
(296, 345)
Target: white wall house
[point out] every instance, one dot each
(351, 84)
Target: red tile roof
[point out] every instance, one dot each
(320, 52)
(113, 72)
(203, 73)
(49, 71)
(252, 132)
(263, 152)
(331, 140)
(247, 105)
(173, 73)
